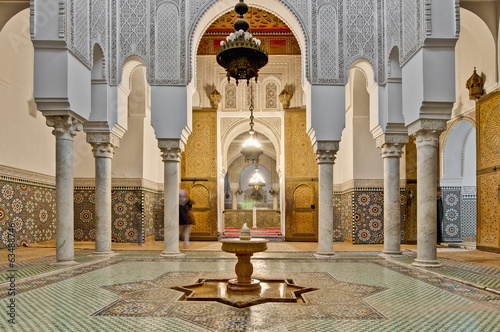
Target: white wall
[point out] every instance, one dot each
(26, 142)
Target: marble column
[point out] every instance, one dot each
(171, 154)
(391, 146)
(234, 195)
(65, 129)
(276, 188)
(103, 144)
(325, 151)
(426, 134)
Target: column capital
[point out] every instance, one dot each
(394, 139)
(65, 126)
(103, 143)
(170, 149)
(326, 151)
(433, 126)
(391, 150)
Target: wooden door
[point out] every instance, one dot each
(488, 172)
(204, 213)
(302, 216)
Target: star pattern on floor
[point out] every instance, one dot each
(155, 298)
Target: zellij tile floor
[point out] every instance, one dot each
(355, 291)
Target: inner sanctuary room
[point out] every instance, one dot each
(250, 165)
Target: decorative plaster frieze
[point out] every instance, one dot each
(428, 17)
(65, 127)
(119, 183)
(62, 19)
(457, 18)
(103, 138)
(327, 145)
(436, 126)
(395, 139)
(20, 175)
(170, 149)
(469, 190)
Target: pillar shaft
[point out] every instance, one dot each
(391, 153)
(325, 157)
(427, 143)
(275, 201)
(234, 200)
(171, 154)
(426, 139)
(65, 128)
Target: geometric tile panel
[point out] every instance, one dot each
(368, 217)
(127, 224)
(27, 209)
(451, 223)
(468, 215)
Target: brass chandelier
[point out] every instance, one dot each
(257, 182)
(251, 149)
(241, 55)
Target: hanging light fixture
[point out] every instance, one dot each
(251, 148)
(241, 55)
(256, 182)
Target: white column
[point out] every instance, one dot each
(276, 188)
(426, 134)
(65, 128)
(234, 197)
(103, 144)
(171, 154)
(325, 151)
(391, 146)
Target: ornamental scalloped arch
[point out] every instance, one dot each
(240, 126)
(213, 9)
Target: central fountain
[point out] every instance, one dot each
(244, 248)
(244, 291)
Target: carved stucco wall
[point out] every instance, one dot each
(282, 71)
(488, 174)
(138, 27)
(199, 160)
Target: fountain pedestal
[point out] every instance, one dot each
(244, 248)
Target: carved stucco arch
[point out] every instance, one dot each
(279, 8)
(131, 64)
(366, 68)
(457, 135)
(241, 126)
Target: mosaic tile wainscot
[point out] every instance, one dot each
(30, 208)
(131, 214)
(368, 216)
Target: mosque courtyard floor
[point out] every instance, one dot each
(356, 290)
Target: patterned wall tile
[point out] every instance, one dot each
(338, 235)
(468, 215)
(451, 225)
(126, 215)
(30, 209)
(368, 214)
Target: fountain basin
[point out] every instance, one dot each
(281, 291)
(244, 249)
(237, 246)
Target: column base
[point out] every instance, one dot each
(104, 253)
(388, 254)
(65, 263)
(324, 254)
(171, 254)
(426, 263)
